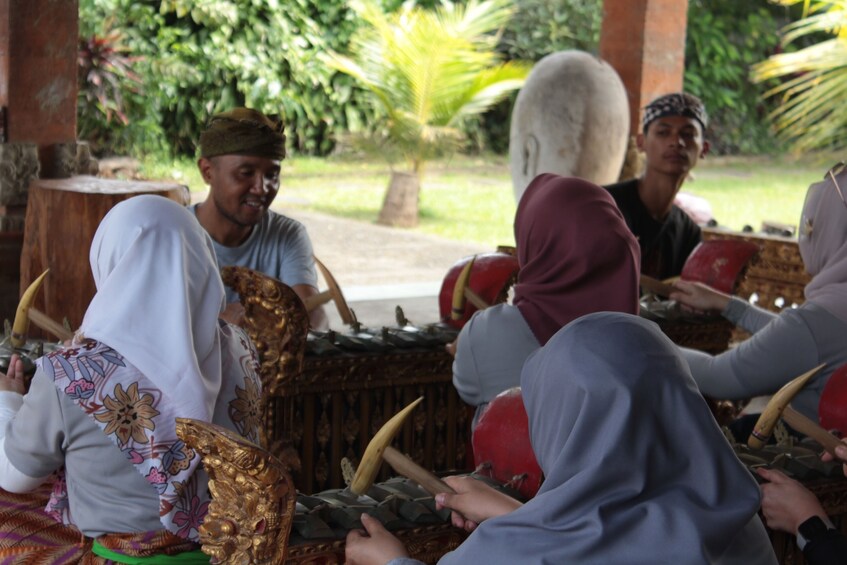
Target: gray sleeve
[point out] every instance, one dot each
(465, 371)
(405, 561)
(35, 438)
(298, 263)
(774, 355)
(746, 316)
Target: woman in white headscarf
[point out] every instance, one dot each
(636, 469)
(784, 346)
(150, 349)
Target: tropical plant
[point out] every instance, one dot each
(811, 113)
(108, 86)
(724, 39)
(428, 71)
(103, 66)
(541, 27)
(195, 58)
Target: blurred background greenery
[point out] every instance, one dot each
(151, 73)
(470, 198)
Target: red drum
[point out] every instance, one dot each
(491, 277)
(501, 444)
(832, 407)
(719, 263)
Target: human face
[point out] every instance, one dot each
(242, 187)
(673, 144)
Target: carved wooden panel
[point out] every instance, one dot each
(336, 404)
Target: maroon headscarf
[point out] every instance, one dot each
(575, 252)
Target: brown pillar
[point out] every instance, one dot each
(644, 40)
(38, 89)
(38, 69)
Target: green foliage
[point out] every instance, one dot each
(811, 112)
(197, 57)
(429, 71)
(541, 27)
(724, 39)
(537, 28)
(108, 88)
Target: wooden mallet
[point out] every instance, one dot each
(779, 407)
(462, 293)
(332, 293)
(26, 313)
(380, 449)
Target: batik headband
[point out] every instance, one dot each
(675, 104)
(243, 131)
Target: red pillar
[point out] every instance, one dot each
(38, 69)
(644, 40)
(38, 90)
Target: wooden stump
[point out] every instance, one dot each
(61, 218)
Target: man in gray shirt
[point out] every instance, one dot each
(240, 154)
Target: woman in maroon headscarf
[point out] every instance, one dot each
(576, 256)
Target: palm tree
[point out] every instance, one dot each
(429, 71)
(812, 113)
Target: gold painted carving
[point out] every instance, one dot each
(277, 322)
(253, 497)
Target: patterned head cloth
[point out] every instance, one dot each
(675, 104)
(242, 131)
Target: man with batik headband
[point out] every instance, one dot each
(672, 141)
(240, 154)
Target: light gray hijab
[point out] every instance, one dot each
(637, 470)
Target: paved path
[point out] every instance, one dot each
(379, 267)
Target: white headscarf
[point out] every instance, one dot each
(636, 469)
(159, 295)
(824, 250)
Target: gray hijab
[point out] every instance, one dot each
(637, 470)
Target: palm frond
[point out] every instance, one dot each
(431, 69)
(811, 113)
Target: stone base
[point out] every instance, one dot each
(18, 167)
(64, 160)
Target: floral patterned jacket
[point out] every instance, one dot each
(139, 420)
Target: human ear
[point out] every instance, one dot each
(205, 166)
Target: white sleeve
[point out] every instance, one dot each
(10, 403)
(747, 316)
(11, 479)
(761, 364)
(465, 373)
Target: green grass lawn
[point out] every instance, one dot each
(470, 198)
